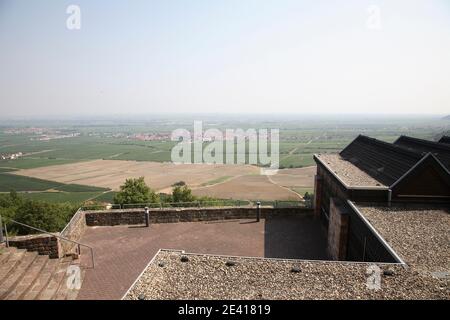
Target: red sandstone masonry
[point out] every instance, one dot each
(337, 231)
(137, 216)
(43, 244)
(73, 231)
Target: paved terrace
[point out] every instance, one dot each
(123, 252)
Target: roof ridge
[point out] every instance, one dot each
(414, 154)
(434, 144)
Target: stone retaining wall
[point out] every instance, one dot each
(137, 216)
(73, 231)
(42, 243)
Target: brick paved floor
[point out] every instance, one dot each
(122, 252)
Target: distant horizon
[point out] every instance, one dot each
(224, 57)
(142, 117)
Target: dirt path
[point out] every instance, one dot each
(286, 188)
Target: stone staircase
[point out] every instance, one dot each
(26, 275)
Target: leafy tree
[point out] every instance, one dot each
(179, 184)
(182, 194)
(165, 198)
(135, 191)
(10, 200)
(51, 217)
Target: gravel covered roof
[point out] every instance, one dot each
(348, 172)
(175, 275)
(420, 236)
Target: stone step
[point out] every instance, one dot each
(49, 292)
(7, 266)
(17, 273)
(28, 279)
(4, 254)
(41, 281)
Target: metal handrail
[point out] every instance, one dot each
(60, 237)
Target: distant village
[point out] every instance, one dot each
(150, 137)
(43, 134)
(46, 134)
(10, 156)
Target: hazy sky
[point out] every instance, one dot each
(262, 56)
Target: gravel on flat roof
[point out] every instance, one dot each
(348, 172)
(176, 275)
(421, 237)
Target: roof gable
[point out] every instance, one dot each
(428, 178)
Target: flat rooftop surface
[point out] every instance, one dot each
(210, 277)
(421, 237)
(123, 252)
(348, 172)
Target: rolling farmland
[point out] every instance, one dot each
(101, 156)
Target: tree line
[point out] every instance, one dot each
(53, 217)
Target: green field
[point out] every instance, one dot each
(299, 138)
(29, 163)
(10, 182)
(79, 188)
(72, 197)
(106, 197)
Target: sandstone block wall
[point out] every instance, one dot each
(42, 243)
(137, 216)
(337, 230)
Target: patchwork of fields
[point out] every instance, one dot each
(241, 182)
(103, 156)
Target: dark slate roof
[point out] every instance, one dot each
(445, 139)
(440, 150)
(384, 161)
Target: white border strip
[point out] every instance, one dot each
(141, 274)
(281, 259)
(377, 235)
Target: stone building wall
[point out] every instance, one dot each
(337, 231)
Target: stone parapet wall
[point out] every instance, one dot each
(43, 244)
(137, 216)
